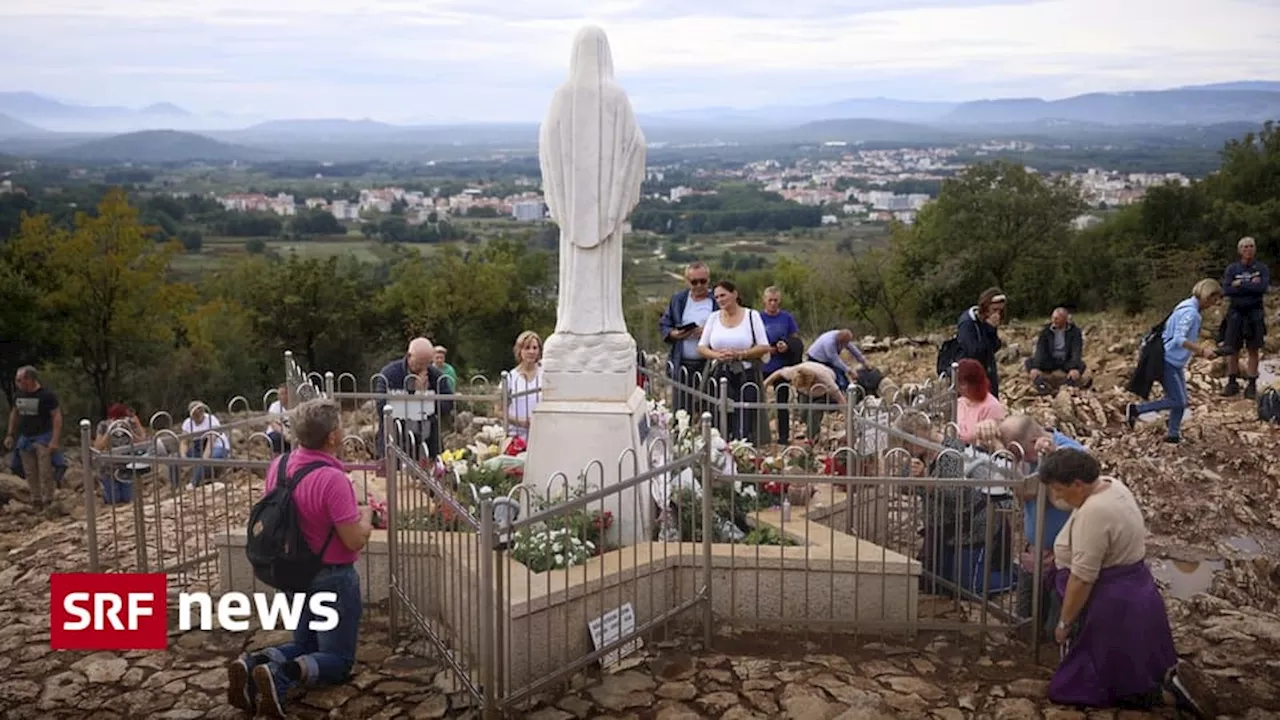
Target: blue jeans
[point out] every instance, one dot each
(326, 657)
(1174, 381)
(197, 473)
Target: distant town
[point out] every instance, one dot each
(846, 185)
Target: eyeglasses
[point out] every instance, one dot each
(699, 281)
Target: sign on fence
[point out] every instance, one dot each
(617, 623)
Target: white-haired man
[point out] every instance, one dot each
(1244, 324)
(413, 374)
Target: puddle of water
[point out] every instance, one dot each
(1186, 578)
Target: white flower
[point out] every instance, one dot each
(559, 560)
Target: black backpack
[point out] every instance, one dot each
(949, 353)
(1269, 406)
(870, 380)
(1150, 365)
(275, 545)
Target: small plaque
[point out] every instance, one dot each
(610, 627)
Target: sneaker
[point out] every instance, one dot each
(1174, 439)
(1130, 415)
(1251, 389)
(1191, 691)
(269, 700)
(240, 686)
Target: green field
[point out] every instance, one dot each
(654, 261)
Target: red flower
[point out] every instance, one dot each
(516, 446)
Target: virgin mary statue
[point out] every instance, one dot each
(592, 155)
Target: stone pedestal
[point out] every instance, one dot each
(593, 418)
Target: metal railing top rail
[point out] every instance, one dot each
(378, 384)
(581, 501)
(168, 432)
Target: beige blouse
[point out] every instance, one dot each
(1106, 531)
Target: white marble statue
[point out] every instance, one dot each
(592, 155)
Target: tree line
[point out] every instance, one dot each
(98, 307)
(731, 208)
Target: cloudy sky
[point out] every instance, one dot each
(402, 60)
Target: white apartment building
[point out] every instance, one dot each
(528, 210)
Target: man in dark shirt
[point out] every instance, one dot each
(1244, 324)
(1059, 355)
(36, 423)
(415, 373)
(784, 338)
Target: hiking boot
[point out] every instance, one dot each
(1174, 439)
(241, 692)
(1232, 389)
(269, 695)
(1041, 386)
(1190, 690)
(1251, 389)
(1130, 415)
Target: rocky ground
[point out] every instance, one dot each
(1211, 506)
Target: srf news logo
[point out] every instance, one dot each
(129, 611)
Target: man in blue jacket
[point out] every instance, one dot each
(681, 328)
(1244, 325)
(411, 374)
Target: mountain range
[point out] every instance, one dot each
(31, 124)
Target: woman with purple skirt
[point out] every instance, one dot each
(1117, 644)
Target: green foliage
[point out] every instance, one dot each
(994, 224)
(768, 535)
(316, 222)
(103, 287)
(731, 208)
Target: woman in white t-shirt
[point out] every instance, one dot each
(275, 427)
(734, 340)
(524, 384)
(206, 444)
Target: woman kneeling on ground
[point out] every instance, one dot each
(1118, 646)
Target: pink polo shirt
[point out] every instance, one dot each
(970, 414)
(324, 499)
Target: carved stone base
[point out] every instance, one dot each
(589, 367)
(567, 437)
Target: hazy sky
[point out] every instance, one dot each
(501, 59)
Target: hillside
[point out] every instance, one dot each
(1166, 107)
(13, 127)
(1210, 505)
(158, 146)
(864, 130)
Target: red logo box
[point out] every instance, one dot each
(108, 611)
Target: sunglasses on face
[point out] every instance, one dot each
(699, 281)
